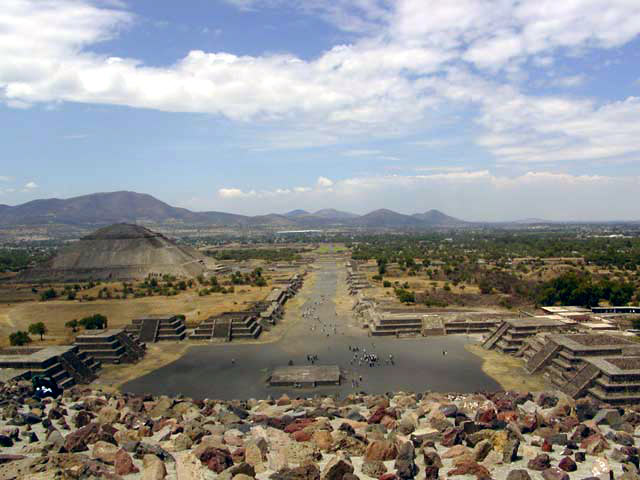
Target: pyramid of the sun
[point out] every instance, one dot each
(120, 252)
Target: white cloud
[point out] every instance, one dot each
(31, 186)
(409, 61)
(235, 193)
(570, 81)
(324, 182)
(4, 178)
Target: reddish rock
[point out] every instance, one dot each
(388, 476)
(486, 414)
(216, 459)
(301, 436)
(382, 450)
(546, 446)
(124, 464)
(470, 467)
(567, 464)
(540, 463)
(298, 424)
(508, 416)
(451, 437)
(594, 444)
(377, 415)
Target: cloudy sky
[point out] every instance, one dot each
(485, 109)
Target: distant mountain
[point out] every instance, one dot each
(108, 208)
(436, 217)
(332, 214)
(296, 213)
(386, 218)
(131, 207)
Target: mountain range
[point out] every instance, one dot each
(132, 207)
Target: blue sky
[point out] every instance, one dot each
(487, 110)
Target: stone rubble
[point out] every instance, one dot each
(505, 435)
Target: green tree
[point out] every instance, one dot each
(94, 322)
(38, 328)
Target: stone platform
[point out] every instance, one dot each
(67, 365)
(306, 375)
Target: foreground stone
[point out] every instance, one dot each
(518, 436)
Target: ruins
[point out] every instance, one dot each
(110, 346)
(67, 365)
(157, 328)
(305, 376)
(120, 252)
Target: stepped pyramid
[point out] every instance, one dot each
(120, 252)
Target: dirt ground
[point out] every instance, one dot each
(508, 371)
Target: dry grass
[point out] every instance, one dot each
(55, 313)
(508, 371)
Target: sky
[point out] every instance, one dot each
(484, 109)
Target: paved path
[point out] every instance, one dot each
(208, 371)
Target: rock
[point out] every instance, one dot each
(216, 459)
(373, 468)
(242, 476)
(554, 473)
(594, 444)
(107, 415)
(609, 417)
(539, 463)
(105, 452)
(451, 437)
(431, 472)
(481, 450)
(469, 467)
(161, 408)
(405, 469)
(381, 450)
(124, 464)
(303, 472)
(580, 456)
(5, 441)
(181, 442)
(431, 458)
(456, 451)
(336, 469)
(153, 468)
(518, 475)
(322, 439)
(510, 450)
(567, 464)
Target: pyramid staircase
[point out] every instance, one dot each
(540, 359)
(582, 380)
(494, 336)
(149, 330)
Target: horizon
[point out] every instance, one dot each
(316, 210)
(520, 110)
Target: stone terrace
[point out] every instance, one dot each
(65, 364)
(111, 346)
(509, 336)
(156, 328)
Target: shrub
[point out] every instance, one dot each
(386, 284)
(38, 328)
(94, 322)
(17, 339)
(48, 294)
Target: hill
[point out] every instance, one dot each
(436, 217)
(101, 209)
(384, 218)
